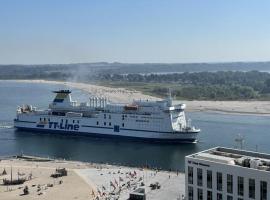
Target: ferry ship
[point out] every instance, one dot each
(141, 119)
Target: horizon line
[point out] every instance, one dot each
(131, 63)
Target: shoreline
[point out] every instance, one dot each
(122, 95)
(255, 108)
(119, 95)
(85, 180)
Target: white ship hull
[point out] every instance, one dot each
(144, 120)
(84, 129)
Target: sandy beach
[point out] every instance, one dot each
(124, 96)
(120, 95)
(86, 181)
(230, 107)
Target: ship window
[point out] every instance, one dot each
(104, 123)
(116, 128)
(110, 123)
(97, 123)
(123, 125)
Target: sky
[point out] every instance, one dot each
(133, 31)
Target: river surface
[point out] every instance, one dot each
(217, 130)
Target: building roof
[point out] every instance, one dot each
(228, 156)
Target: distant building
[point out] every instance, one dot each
(227, 174)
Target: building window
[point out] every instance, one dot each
(209, 179)
(200, 194)
(190, 175)
(240, 186)
(39, 119)
(104, 116)
(263, 190)
(123, 124)
(219, 181)
(209, 195)
(199, 177)
(110, 116)
(251, 186)
(229, 183)
(73, 121)
(104, 123)
(97, 123)
(229, 197)
(190, 193)
(110, 123)
(219, 196)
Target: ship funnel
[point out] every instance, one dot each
(62, 98)
(61, 95)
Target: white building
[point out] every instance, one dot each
(224, 173)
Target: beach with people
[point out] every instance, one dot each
(85, 180)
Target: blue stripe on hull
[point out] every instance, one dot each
(104, 127)
(98, 135)
(40, 125)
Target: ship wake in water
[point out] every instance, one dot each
(5, 125)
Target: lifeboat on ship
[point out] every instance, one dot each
(131, 107)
